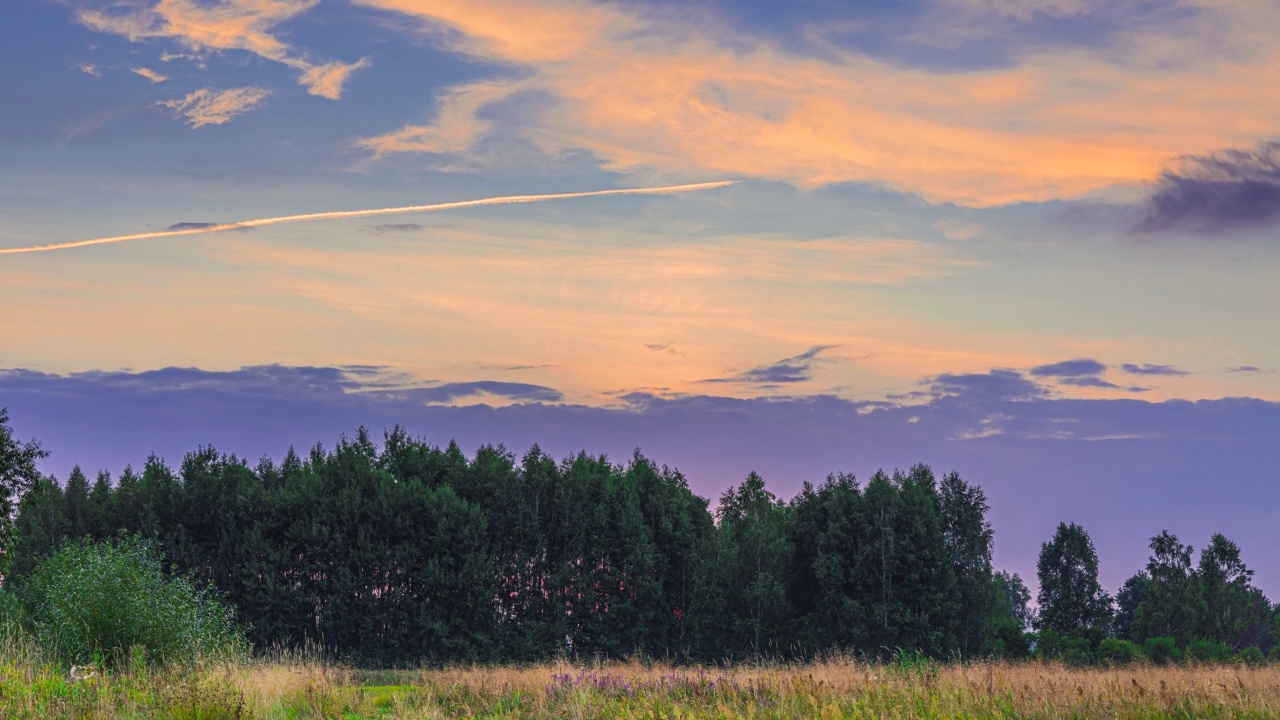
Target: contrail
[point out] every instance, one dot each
(504, 200)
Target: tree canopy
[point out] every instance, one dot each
(403, 552)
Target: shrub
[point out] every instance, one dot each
(10, 612)
(1074, 648)
(1162, 650)
(1208, 651)
(1118, 652)
(98, 602)
(1274, 655)
(1251, 655)
(1011, 641)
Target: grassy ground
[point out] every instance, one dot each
(297, 688)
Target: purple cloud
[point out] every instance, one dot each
(995, 385)
(1092, 381)
(1149, 369)
(788, 370)
(1070, 369)
(1248, 369)
(1213, 194)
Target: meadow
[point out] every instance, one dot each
(298, 687)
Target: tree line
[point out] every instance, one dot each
(406, 552)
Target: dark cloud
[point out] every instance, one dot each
(1248, 369)
(995, 385)
(1092, 381)
(339, 385)
(1214, 194)
(397, 227)
(1149, 369)
(202, 225)
(1125, 468)
(788, 370)
(1070, 368)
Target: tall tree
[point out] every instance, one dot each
(1015, 597)
(1130, 597)
(753, 526)
(1011, 617)
(1225, 585)
(825, 582)
(1070, 597)
(969, 541)
(1174, 604)
(17, 474)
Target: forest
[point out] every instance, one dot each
(404, 553)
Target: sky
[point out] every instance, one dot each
(1033, 241)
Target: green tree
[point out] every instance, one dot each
(1011, 617)
(75, 504)
(1015, 598)
(825, 585)
(40, 527)
(753, 527)
(1174, 605)
(17, 474)
(1070, 598)
(1225, 585)
(969, 541)
(1130, 597)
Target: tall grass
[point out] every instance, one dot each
(301, 686)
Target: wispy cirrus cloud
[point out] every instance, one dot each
(216, 107)
(1149, 369)
(1089, 381)
(1249, 370)
(89, 69)
(796, 369)
(150, 74)
(666, 91)
(1217, 193)
(457, 125)
(244, 25)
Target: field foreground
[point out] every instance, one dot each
(830, 689)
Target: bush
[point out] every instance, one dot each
(1208, 651)
(1011, 641)
(1162, 650)
(99, 602)
(1274, 655)
(1251, 655)
(10, 612)
(1118, 652)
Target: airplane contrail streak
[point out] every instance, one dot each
(338, 214)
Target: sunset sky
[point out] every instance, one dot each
(1034, 241)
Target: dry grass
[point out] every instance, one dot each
(834, 688)
(298, 687)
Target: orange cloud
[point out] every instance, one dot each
(457, 124)
(653, 94)
(150, 74)
(228, 25)
(209, 107)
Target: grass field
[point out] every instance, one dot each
(298, 688)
